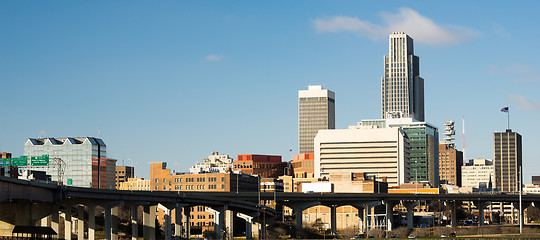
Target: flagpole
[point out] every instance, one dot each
(508, 114)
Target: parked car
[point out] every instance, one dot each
(412, 236)
(453, 234)
(394, 236)
(443, 235)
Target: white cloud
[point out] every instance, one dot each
(420, 28)
(523, 102)
(213, 58)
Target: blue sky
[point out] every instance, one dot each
(175, 81)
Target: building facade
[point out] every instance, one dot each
(123, 173)
(316, 111)
(402, 88)
(424, 147)
(450, 163)
(478, 173)
(81, 158)
(265, 166)
(379, 152)
(201, 220)
(507, 160)
(303, 165)
(135, 184)
(215, 163)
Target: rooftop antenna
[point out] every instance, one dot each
(98, 131)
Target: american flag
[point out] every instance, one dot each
(504, 109)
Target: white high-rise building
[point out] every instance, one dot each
(402, 88)
(380, 152)
(316, 111)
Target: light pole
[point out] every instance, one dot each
(416, 180)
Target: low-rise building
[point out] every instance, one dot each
(135, 184)
(265, 166)
(303, 165)
(215, 163)
(123, 173)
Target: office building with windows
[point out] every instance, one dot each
(79, 157)
(507, 157)
(316, 111)
(424, 147)
(379, 152)
(402, 88)
(478, 173)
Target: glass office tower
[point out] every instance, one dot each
(78, 154)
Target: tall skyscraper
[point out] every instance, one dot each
(507, 154)
(316, 111)
(402, 88)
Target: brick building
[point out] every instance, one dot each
(201, 220)
(302, 165)
(265, 166)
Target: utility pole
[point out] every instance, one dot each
(520, 207)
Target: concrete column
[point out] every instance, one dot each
(298, 218)
(219, 220)
(55, 218)
(134, 221)
(367, 222)
(91, 222)
(114, 222)
(167, 222)
(149, 222)
(453, 214)
(229, 221)
(177, 223)
(389, 214)
(360, 220)
(67, 222)
(410, 212)
(333, 225)
(80, 222)
(107, 226)
(249, 222)
(481, 205)
(187, 226)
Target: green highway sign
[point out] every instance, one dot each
(21, 161)
(42, 160)
(70, 181)
(5, 162)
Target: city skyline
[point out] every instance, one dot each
(178, 81)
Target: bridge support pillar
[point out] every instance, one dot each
(453, 214)
(249, 223)
(55, 218)
(177, 222)
(107, 225)
(187, 225)
(114, 222)
(67, 222)
(167, 224)
(135, 221)
(410, 212)
(481, 205)
(91, 221)
(229, 221)
(298, 208)
(149, 222)
(80, 222)
(389, 214)
(219, 220)
(364, 212)
(333, 225)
